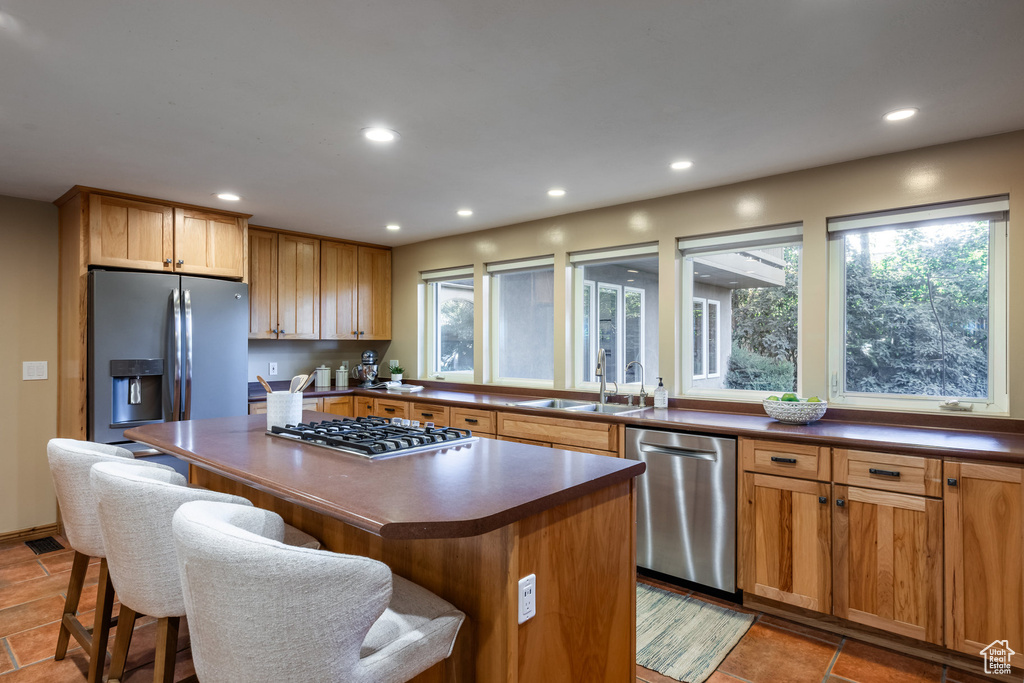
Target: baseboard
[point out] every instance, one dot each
(30, 534)
(867, 634)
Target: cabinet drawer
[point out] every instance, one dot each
(888, 472)
(385, 408)
(600, 436)
(429, 412)
(803, 461)
(526, 441)
(258, 408)
(473, 420)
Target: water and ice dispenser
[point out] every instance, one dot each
(137, 390)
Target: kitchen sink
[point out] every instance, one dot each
(556, 403)
(575, 406)
(607, 408)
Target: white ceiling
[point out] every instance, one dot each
(495, 101)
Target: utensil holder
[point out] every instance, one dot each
(284, 408)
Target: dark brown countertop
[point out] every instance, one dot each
(454, 492)
(977, 444)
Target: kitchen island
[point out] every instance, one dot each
(466, 522)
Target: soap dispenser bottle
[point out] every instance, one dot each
(660, 395)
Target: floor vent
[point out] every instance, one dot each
(44, 545)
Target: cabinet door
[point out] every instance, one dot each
(262, 285)
(887, 559)
(374, 293)
(338, 405)
(339, 294)
(208, 243)
(130, 234)
(298, 287)
(785, 535)
(364, 406)
(984, 507)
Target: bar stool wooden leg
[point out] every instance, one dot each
(166, 649)
(125, 627)
(101, 624)
(79, 567)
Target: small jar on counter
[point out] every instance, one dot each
(323, 376)
(341, 376)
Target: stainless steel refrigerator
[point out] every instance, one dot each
(164, 347)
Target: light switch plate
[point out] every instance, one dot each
(527, 597)
(33, 369)
(272, 369)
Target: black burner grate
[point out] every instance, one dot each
(373, 436)
(44, 545)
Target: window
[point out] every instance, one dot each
(523, 321)
(450, 318)
(617, 311)
(741, 303)
(918, 301)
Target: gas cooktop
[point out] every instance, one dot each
(374, 437)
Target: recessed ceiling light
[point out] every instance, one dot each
(227, 196)
(630, 270)
(394, 227)
(708, 275)
(378, 134)
(900, 114)
(680, 165)
(465, 212)
(556, 192)
(750, 272)
(630, 280)
(734, 282)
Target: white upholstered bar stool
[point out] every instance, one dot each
(322, 616)
(135, 511)
(70, 461)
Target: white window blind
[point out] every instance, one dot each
(939, 212)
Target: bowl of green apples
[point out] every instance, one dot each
(792, 410)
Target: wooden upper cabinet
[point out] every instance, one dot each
(129, 234)
(984, 507)
(785, 540)
(207, 243)
(298, 287)
(339, 290)
(887, 561)
(262, 284)
(355, 295)
(374, 293)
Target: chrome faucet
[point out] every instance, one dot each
(599, 371)
(643, 394)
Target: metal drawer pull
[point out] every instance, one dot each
(841, 502)
(788, 461)
(389, 410)
(884, 473)
(822, 499)
(427, 414)
(951, 481)
(471, 420)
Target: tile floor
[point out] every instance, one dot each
(32, 592)
(775, 650)
(32, 589)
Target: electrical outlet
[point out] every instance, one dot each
(393, 363)
(272, 370)
(527, 597)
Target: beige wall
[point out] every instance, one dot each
(28, 311)
(973, 168)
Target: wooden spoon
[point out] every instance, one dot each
(297, 381)
(309, 381)
(265, 384)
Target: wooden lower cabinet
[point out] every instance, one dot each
(364, 406)
(430, 412)
(388, 408)
(785, 541)
(984, 506)
(887, 561)
(339, 405)
(585, 435)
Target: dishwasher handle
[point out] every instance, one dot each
(710, 456)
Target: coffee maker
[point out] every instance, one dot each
(367, 370)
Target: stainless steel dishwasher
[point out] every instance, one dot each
(686, 505)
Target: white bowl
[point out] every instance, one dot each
(795, 412)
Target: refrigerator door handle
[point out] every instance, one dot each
(176, 377)
(187, 415)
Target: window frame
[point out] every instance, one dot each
(493, 284)
(432, 331)
(782, 235)
(993, 209)
(626, 291)
(717, 304)
(703, 336)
